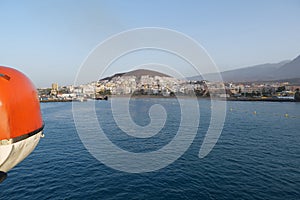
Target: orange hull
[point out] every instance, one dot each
(21, 121)
(19, 105)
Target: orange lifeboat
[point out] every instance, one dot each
(21, 123)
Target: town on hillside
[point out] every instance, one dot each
(147, 84)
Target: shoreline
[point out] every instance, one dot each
(262, 99)
(172, 97)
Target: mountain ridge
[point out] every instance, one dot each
(281, 71)
(284, 70)
(291, 69)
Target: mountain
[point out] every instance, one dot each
(282, 71)
(253, 73)
(143, 72)
(285, 70)
(290, 70)
(138, 73)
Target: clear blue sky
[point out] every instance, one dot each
(49, 39)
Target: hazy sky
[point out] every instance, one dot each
(49, 39)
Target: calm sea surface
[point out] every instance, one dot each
(257, 157)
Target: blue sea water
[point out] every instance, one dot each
(256, 157)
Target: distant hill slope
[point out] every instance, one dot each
(289, 70)
(285, 70)
(138, 73)
(255, 73)
(144, 72)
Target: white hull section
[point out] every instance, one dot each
(12, 154)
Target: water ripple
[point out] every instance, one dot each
(256, 157)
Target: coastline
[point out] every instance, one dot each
(262, 99)
(268, 99)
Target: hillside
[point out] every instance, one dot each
(289, 70)
(143, 72)
(282, 71)
(255, 73)
(138, 73)
(285, 70)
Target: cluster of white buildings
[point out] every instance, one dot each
(125, 85)
(165, 86)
